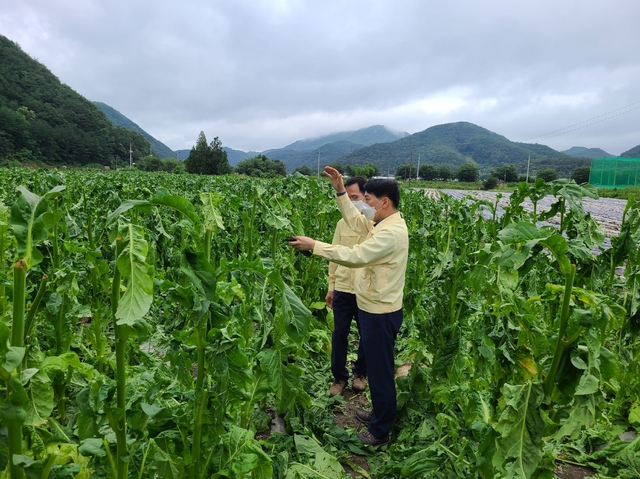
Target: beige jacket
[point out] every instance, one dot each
(381, 258)
(341, 278)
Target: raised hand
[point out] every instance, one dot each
(335, 177)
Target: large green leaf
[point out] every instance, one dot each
(212, 216)
(296, 315)
(523, 235)
(31, 218)
(519, 447)
(125, 206)
(41, 400)
(323, 464)
(283, 379)
(179, 203)
(138, 296)
(10, 356)
(240, 455)
(199, 270)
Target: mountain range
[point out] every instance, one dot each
(44, 121)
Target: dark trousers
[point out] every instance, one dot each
(345, 309)
(378, 335)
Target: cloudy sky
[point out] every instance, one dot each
(261, 74)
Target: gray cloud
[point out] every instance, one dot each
(262, 74)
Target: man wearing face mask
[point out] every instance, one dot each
(342, 299)
(379, 284)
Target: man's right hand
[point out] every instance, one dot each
(335, 177)
(329, 299)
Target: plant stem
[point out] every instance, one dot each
(34, 306)
(121, 334)
(560, 344)
(250, 229)
(201, 400)
(207, 243)
(14, 428)
(96, 312)
(3, 298)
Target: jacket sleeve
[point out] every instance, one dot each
(352, 216)
(368, 252)
(333, 266)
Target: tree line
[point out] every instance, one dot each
(470, 173)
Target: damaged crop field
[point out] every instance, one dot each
(156, 326)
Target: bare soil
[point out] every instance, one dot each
(569, 471)
(345, 416)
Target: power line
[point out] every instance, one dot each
(589, 122)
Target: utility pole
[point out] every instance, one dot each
(418, 170)
(528, 161)
(130, 156)
(410, 166)
(318, 163)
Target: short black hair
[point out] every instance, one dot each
(359, 180)
(381, 188)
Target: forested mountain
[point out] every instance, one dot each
(45, 121)
(329, 153)
(453, 144)
(364, 137)
(632, 153)
(582, 152)
(118, 119)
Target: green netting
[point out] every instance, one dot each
(615, 172)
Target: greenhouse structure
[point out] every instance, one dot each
(615, 172)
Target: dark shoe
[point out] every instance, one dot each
(370, 440)
(337, 387)
(359, 383)
(364, 416)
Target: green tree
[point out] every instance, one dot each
(305, 170)
(468, 172)
(170, 164)
(262, 167)
(547, 174)
(149, 163)
(367, 171)
(198, 161)
(443, 173)
(338, 166)
(581, 174)
(207, 159)
(428, 172)
(219, 157)
(405, 172)
(490, 182)
(506, 173)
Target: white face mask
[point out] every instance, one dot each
(368, 211)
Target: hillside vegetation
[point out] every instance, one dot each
(632, 153)
(45, 121)
(118, 119)
(582, 152)
(454, 144)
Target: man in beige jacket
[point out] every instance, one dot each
(379, 286)
(341, 298)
